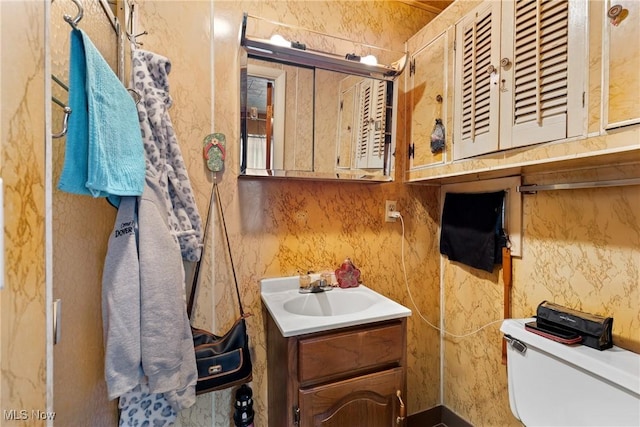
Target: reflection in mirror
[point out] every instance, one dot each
(308, 120)
(304, 122)
(363, 122)
(265, 136)
(279, 117)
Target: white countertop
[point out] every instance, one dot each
(276, 292)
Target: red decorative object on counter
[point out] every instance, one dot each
(348, 275)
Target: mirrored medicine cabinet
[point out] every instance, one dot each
(310, 114)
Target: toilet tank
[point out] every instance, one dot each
(553, 384)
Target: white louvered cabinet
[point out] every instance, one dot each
(370, 139)
(519, 75)
(363, 128)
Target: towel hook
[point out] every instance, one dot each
(136, 96)
(131, 31)
(67, 110)
(74, 21)
(134, 38)
(65, 121)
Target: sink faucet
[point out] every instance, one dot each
(316, 286)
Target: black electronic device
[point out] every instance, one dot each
(561, 335)
(596, 331)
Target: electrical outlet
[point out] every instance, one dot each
(389, 206)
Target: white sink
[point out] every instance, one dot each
(297, 314)
(328, 303)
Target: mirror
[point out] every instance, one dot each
(315, 121)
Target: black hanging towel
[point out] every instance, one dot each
(468, 233)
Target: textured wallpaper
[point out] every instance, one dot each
(279, 228)
(581, 248)
(22, 164)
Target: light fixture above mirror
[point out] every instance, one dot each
(310, 111)
(279, 48)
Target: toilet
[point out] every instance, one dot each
(553, 384)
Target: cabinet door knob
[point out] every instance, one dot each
(491, 69)
(505, 62)
(617, 14)
(614, 11)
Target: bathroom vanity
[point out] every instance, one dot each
(334, 358)
(348, 376)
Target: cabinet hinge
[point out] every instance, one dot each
(412, 67)
(584, 95)
(296, 415)
(412, 150)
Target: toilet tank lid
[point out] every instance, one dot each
(616, 364)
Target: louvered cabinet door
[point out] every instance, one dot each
(379, 125)
(373, 121)
(543, 70)
(476, 110)
(621, 58)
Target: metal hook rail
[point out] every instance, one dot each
(67, 110)
(131, 27)
(73, 21)
(532, 189)
(113, 20)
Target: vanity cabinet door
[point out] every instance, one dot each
(366, 401)
(427, 101)
(621, 62)
(342, 377)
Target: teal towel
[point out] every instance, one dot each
(104, 154)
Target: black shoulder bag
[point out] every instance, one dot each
(223, 361)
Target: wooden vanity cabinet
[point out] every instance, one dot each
(349, 376)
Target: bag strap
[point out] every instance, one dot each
(196, 274)
(226, 235)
